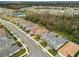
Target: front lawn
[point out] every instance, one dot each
(37, 37)
(53, 52)
(28, 31)
(44, 43)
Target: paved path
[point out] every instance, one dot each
(35, 50)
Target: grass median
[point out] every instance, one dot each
(17, 54)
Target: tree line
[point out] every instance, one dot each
(68, 25)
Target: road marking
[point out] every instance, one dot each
(33, 39)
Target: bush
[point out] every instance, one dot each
(64, 24)
(44, 43)
(53, 52)
(28, 31)
(37, 37)
(19, 44)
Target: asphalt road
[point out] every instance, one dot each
(34, 49)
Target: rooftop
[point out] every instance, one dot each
(54, 40)
(40, 31)
(28, 26)
(70, 49)
(5, 41)
(35, 28)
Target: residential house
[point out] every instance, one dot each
(69, 50)
(28, 26)
(34, 29)
(53, 39)
(41, 31)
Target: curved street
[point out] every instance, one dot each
(34, 49)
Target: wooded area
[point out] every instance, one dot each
(67, 26)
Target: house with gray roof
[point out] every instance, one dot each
(5, 41)
(28, 26)
(7, 47)
(53, 40)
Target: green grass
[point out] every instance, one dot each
(37, 37)
(19, 44)
(21, 26)
(70, 37)
(53, 52)
(19, 53)
(28, 31)
(44, 43)
(14, 38)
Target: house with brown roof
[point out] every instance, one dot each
(69, 50)
(40, 31)
(20, 21)
(34, 29)
(37, 30)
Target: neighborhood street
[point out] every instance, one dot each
(34, 49)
